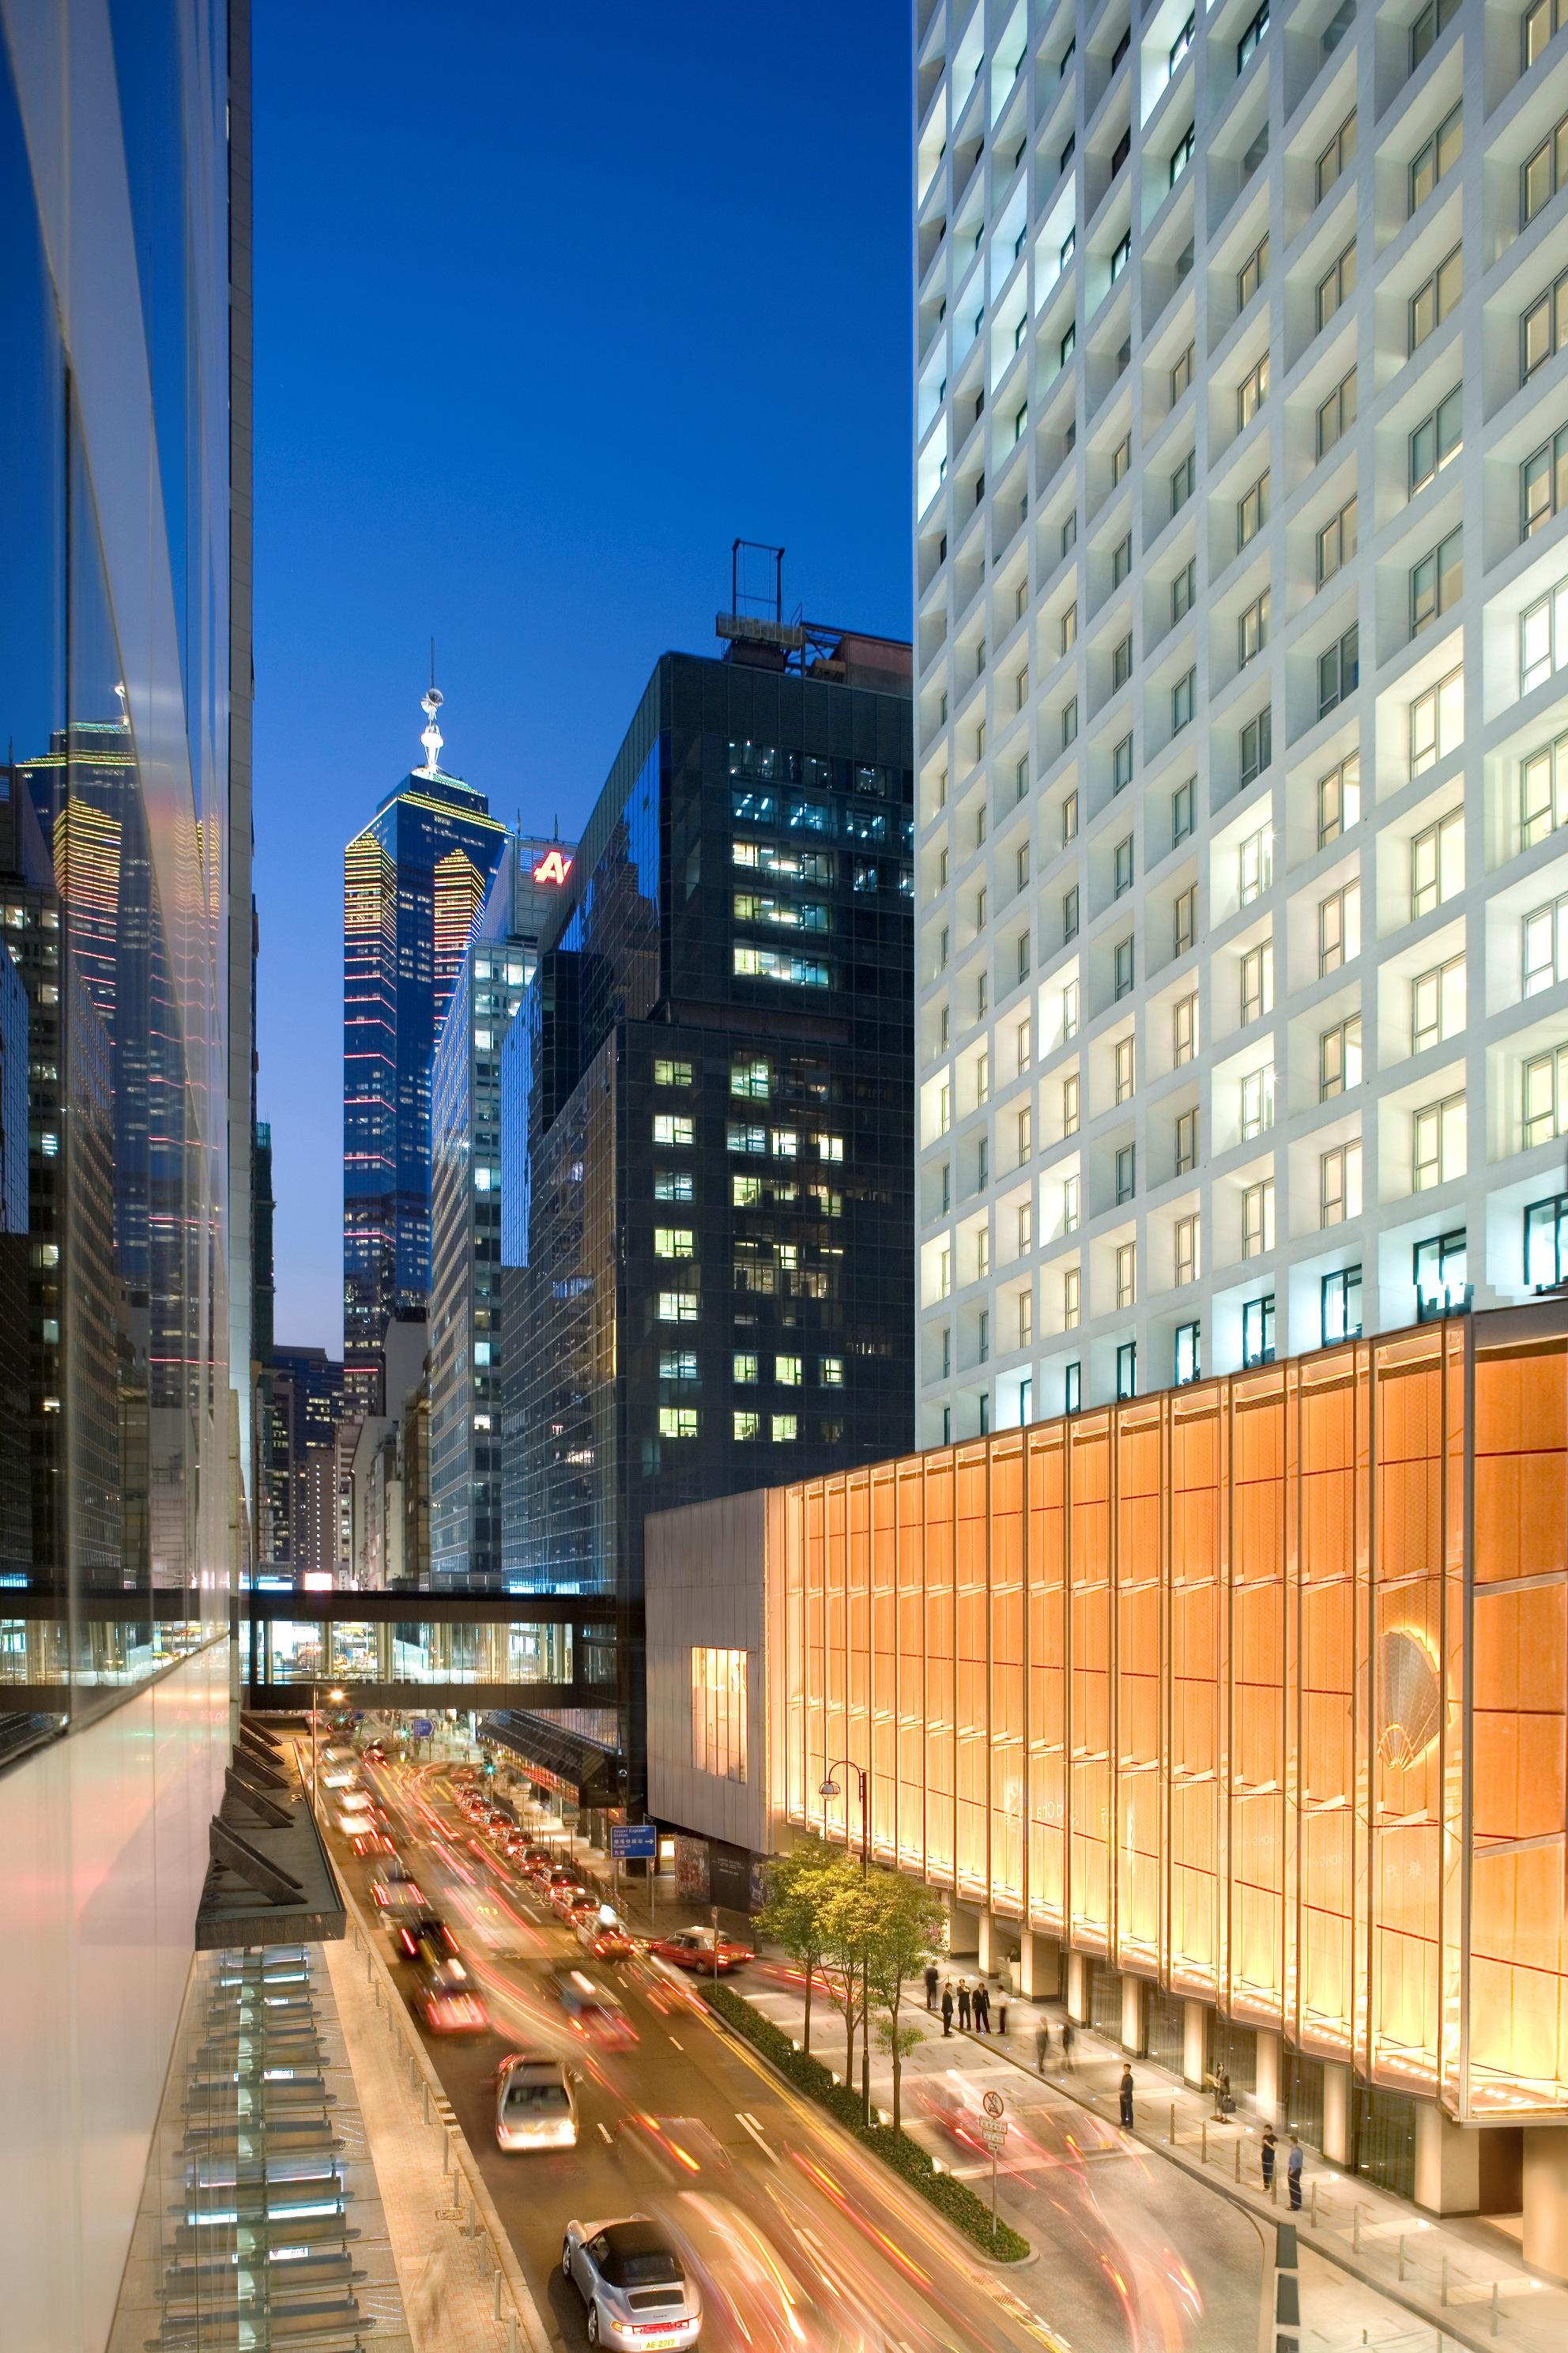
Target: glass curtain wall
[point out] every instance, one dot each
(115, 861)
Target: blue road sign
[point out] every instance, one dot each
(423, 1727)
(634, 1842)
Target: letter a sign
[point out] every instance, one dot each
(554, 867)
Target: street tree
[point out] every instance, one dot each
(849, 1912)
(904, 1929)
(799, 1883)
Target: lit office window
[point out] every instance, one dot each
(1342, 1305)
(1258, 1331)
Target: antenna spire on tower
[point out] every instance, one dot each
(430, 703)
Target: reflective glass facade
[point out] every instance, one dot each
(124, 827)
(706, 1128)
(464, 1326)
(1255, 1688)
(414, 881)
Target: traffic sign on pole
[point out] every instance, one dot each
(634, 1842)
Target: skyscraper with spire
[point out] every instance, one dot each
(414, 881)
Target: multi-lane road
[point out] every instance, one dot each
(805, 2244)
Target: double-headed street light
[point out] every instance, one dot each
(829, 1788)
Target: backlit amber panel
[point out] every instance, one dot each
(1259, 1687)
(1517, 2008)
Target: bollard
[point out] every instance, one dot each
(1204, 2144)
(457, 2197)
(446, 2152)
(1443, 2291)
(1402, 2254)
(1274, 2185)
(1496, 2310)
(1355, 2229)
(425, 2093)
(1172, 2132)
(377, 1990)
(495, 2309)
(1313, 2207)
(1238, 2160)
(369, 1974)
(511, 2332)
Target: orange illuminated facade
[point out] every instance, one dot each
(1254, 1687)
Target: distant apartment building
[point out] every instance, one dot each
(1241, 687)
(705, 1139)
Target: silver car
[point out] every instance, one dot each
(637, 2291)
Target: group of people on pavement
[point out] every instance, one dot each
(972, 2005)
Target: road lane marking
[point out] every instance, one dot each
(750, 2124)
(604, 2135)
(679, 2046)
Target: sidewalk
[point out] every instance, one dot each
(1460, 2283)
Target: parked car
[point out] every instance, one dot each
(536, 2103)
(693, 1948)
(634, 2285)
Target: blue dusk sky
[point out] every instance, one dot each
(549, 310)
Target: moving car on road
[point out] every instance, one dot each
(694, 1949)
(593, 2011)
(536, 2103)
(605, 1939)
(634, 2285)
(444, 1998)
(424, 1937)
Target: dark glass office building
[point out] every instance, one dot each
(707, 1123)
(414, 881)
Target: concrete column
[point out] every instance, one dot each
(1077, 1989)
(962, 1928)
(988, 1944)
(1448, 2163)
(1039, 1967)
(1195, 2042)
(1546, 2198)
(1266, 2099)
(1133, 1990)
(1337, 2111)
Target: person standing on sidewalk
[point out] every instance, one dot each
(1002, 2011)
(1293, 2164)
(947, 2007)
(1266, 2159)
(982, 2007)
(1042, 2047)
(1068, 2038)
(930, 1984)
(964, 2003)
(1125, 2089)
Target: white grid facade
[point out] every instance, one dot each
(1241, 682)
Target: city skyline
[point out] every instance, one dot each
(396, 495)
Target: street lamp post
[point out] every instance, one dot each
(335, 1696)
(829, 1788)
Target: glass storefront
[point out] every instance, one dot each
(1105, 2000)
(1302, 2085)
(1164, 2028)
(1383, 2148)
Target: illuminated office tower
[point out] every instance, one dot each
(1242, 750)
(414, 881)
(465, 1324)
